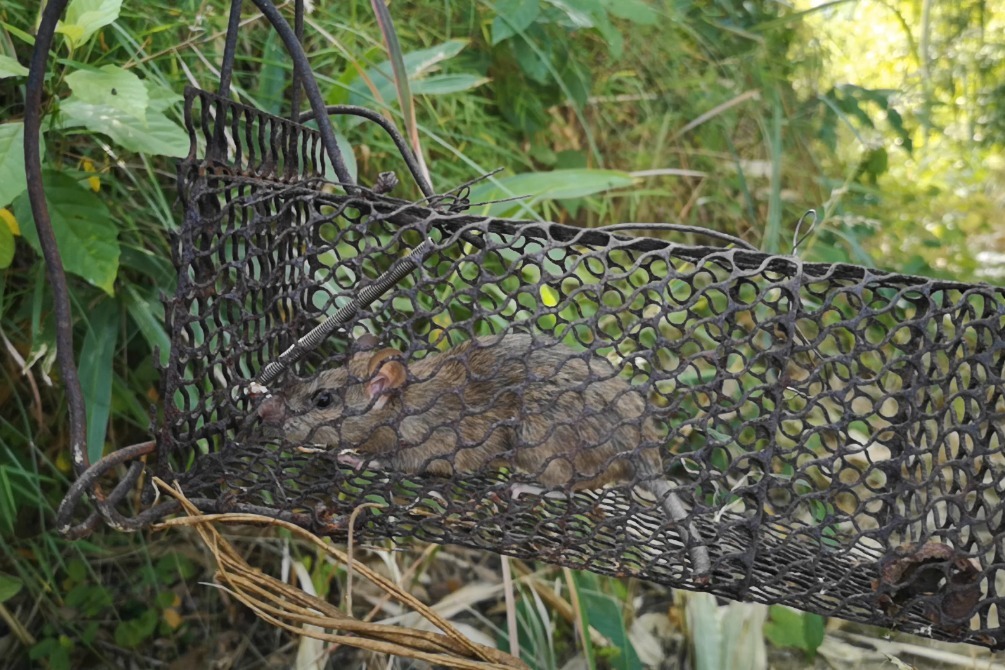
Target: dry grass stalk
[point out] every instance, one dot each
(293, 610)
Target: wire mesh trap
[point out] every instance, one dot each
(823, 436)
(831, 433)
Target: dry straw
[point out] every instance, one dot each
(297, 612)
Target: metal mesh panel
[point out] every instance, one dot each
(824, 436)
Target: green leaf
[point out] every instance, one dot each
(790, 628)
(533, 62)
(133, 632)
(76, 570)
(813, 628)
(274, 74)
(6, 246)
(12, 178)
(9, 586)
(447, 83)
(14, 31)
(160, 97)
(96, 373)
(348, 156)
(174, 566)
(53, 650)
(42, 355)
(86, 17)
(578, 14)
(111, 87)
(635, 11)
(85, 233)
(159, 135)
(604, 613)
(554, 185)
(417, 65)
(512, 17)
(164, 599)
(148, 315)
(90, 599)
(9, 67)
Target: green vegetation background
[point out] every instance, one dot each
(886, 117)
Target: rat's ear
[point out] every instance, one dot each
(386, 374)
(365, 342)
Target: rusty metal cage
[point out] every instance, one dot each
(823, 436)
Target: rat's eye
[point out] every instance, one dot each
(323, 399)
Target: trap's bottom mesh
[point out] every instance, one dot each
(927, 589)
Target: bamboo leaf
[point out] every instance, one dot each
(96, 373)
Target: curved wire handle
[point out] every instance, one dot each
(47, 238)
(399, 141)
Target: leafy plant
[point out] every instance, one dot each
(800, 630)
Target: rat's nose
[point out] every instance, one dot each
(272, 410)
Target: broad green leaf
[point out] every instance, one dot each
(52, 650)
(85, 233)
(86, 17)
(9, 586)
(790, 628)
(9, 67)
(578, 14)
(6, 246)
(90, 599)
(156, 267)
(447, 83)
(554, 185)
(12, 178)
(160, 97)
(159, 135)
(512, 17)
(417, 64)
(132, 632)
(96, 373)
(111, 87)
(813, 631)
(533, 62)
(636, 11)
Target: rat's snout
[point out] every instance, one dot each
(272, 410)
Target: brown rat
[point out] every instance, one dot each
(564, 417)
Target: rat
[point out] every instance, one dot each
(565, 418)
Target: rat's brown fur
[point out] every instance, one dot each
(565, 418)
